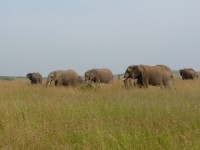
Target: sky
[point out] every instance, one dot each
(47, 35)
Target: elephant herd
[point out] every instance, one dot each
(72, 78)
(135, 75)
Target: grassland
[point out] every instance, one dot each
(99, 117)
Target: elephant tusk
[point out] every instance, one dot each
(123, 79)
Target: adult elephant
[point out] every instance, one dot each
(188, 73)
(64, 78)
(35, 77)
(103, 75)
(158, 75)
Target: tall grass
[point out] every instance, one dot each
(99, 117)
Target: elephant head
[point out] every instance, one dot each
(91, 75)
(134, 72)
(181, 72)
(53, 76)
(29, 75)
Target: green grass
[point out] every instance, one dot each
(99, 117)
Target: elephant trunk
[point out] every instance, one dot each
(124, 79)
(126, 76)
(48, 82)
(126, 82)
(29, 76)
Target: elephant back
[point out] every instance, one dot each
(71, 77)
(105, 75)
(166, 72)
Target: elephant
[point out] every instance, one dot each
(35, 77)
(102, 75)
(64, 78)
(159, 75)
(188, 73)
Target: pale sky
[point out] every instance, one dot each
(46, 35)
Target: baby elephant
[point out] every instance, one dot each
(35, 77)
(188, 73)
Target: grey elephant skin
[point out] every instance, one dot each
(64, 78)
(103, 75)
(188, 73)
(35, 77)
(158, 75)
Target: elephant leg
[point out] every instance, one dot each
(126, 83)
(98, 80)
(59, 83)
(145, 84)
(139, 83)
(168, 84)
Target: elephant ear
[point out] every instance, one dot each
(56, 75)
(95, 75)
(51, 75)
(144, 75)
(130, 68)
(29, 75)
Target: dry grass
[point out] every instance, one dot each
(99, 117)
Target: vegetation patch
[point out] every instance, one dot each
(99, 116)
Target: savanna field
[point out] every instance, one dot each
(99, 117)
